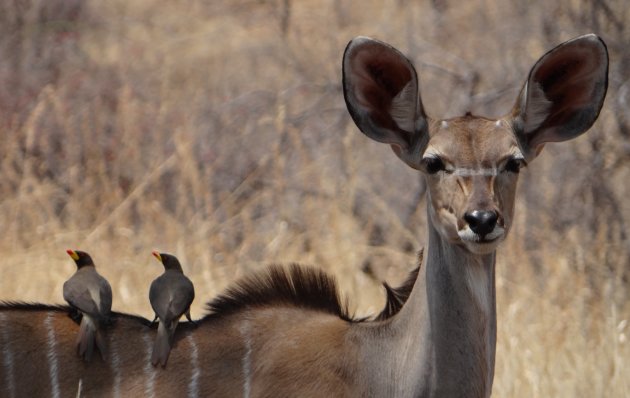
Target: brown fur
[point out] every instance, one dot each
(297, 301)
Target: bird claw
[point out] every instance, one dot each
(195, 324)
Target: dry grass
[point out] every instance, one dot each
(216, 130)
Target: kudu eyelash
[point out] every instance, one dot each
(434, 164)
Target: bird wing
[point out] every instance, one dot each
(159, 296)
(105, 293)
(77, 294)
(89, 292)
(171, 295)
(183, 296)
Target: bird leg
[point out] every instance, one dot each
(190, 319)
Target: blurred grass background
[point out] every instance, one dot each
(216, 130)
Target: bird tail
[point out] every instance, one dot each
(163, 343)
(89, 336)
(85, 338)
(99, 338)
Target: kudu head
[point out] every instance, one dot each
(471, 163)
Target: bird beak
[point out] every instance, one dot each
(156, 254)
(72, 254)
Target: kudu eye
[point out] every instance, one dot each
(514, 165)
(433, 164)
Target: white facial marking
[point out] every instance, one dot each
(193, 385)
(498, 123)
(149, 370)
(51, 354)
(464, 172)
(7, 356)
(517, 154)
(444, 124)
(496, 233)
(246, 359)
(485, 172)
(468, 235)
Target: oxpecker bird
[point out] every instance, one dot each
(171, 295)
(91, 295)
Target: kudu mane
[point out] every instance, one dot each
(303, 287)
(293, 286)
(397, 296)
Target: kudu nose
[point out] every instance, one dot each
(482, 222)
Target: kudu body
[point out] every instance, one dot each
(285, 333)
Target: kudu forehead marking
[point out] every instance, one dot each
(51, 355)
(473, 146)
(7, 355)
(487, 171)
(465, 172)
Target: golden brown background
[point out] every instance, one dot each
(216, 130)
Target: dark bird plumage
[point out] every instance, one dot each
(171, 295)
(91, 295)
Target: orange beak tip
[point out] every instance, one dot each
(72, 254)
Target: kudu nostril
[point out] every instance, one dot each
(482, 222)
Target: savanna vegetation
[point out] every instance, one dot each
(216, 130)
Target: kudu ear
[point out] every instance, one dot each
(380, 87)
(563, 94)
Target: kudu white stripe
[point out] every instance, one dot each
(80, 388)
(116, 368)
(51, 354)
(247, 366)
(150, 372)
(193, 385)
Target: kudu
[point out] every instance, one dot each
(285, 333)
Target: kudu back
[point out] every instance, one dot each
(285, 332)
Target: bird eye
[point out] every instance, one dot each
(514, 165)
(433, 164)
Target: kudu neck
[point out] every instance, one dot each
(451, 313)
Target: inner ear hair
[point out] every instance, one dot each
(562, 95)
(382, 95)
